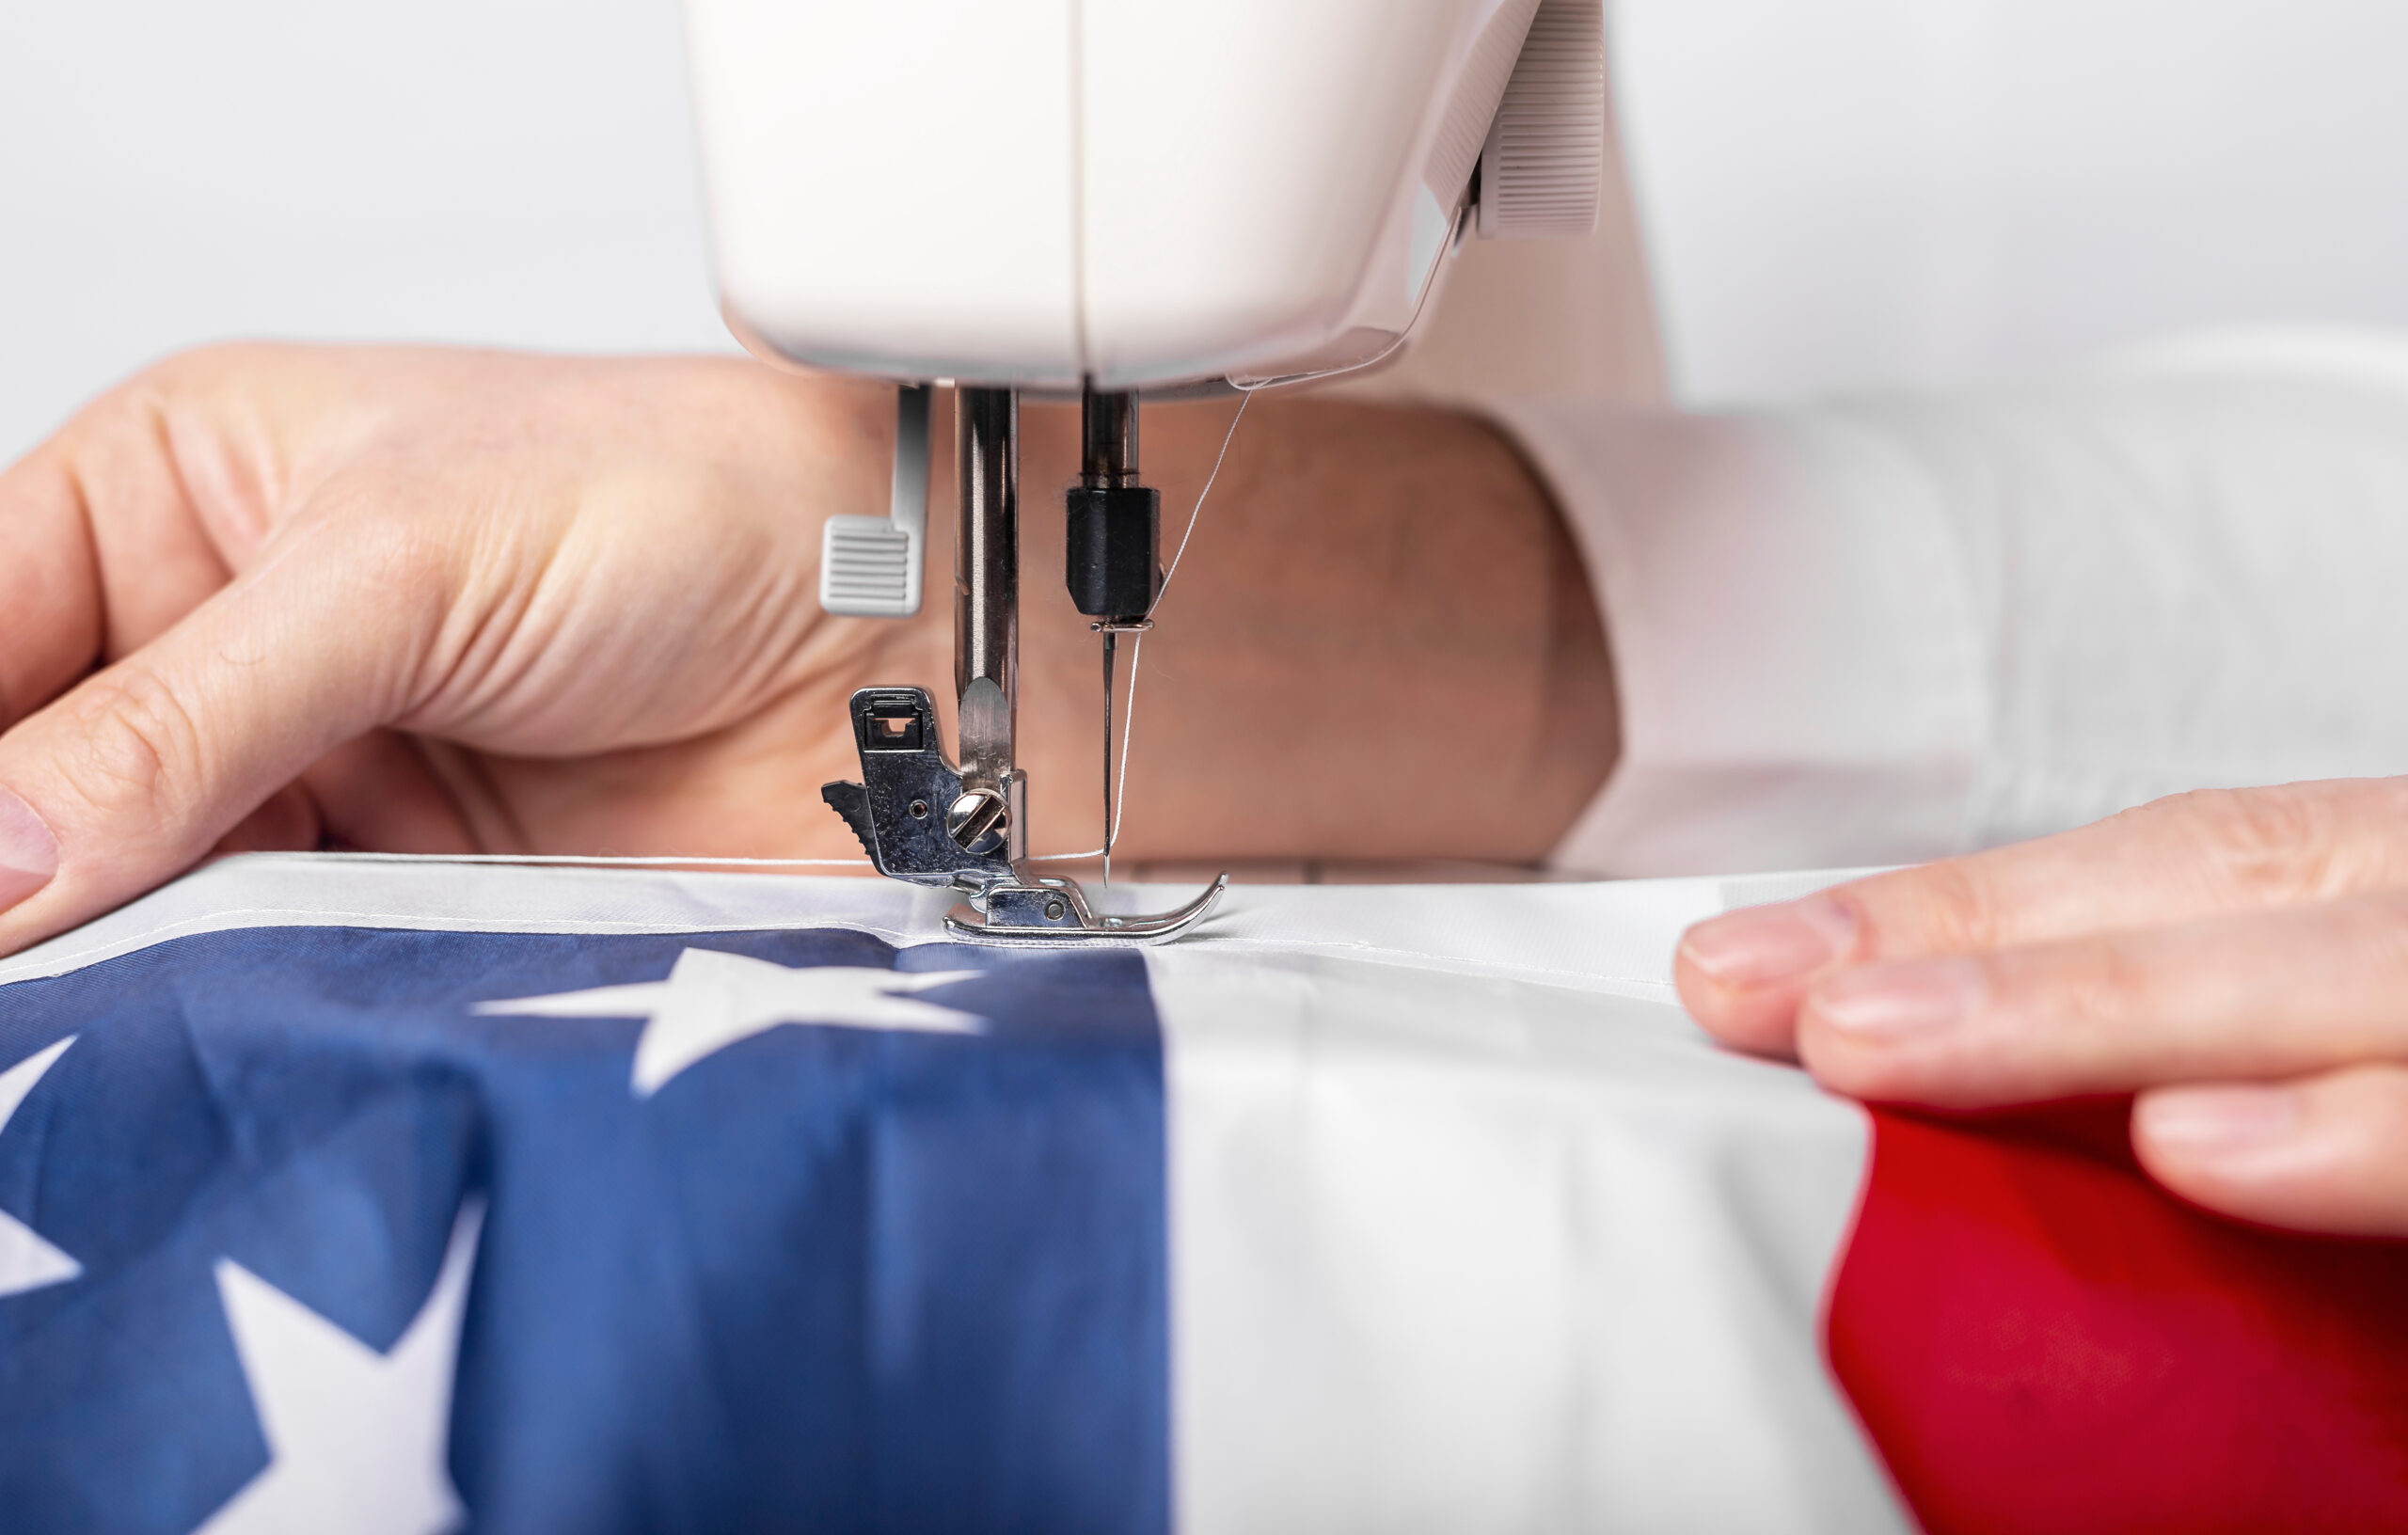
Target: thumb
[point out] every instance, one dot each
(135, 774)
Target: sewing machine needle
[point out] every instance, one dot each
(1110, 642)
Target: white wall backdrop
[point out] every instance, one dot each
(1834, 192)
(171, 171)
(1849, 192)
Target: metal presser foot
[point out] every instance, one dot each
(919, 820)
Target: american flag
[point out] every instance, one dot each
(403, 1199)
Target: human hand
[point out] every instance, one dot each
(433, 602)
(425, 601)
(2238, 960)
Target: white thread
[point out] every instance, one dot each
(1137, 651)
(1195, 513)
(1129, 725)
(596, 859)
(613, 860)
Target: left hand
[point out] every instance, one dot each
(427, 601)
(2236, 959)
(432, 601)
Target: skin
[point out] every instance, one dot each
(2234, 959)
(437, 601)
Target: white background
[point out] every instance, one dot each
(1834, 192)
(1849, 192)
(508, 171)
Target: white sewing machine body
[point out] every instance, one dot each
(1038, 194)
(1093, 197)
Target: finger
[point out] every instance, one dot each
(2190, 856)
(2265, 995)
(138, 771)
(154, 473)
(2327, 1153)
(285, 822)
(50, 593)
(379, 792)
(113, 527)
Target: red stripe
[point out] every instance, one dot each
(2039, 1340)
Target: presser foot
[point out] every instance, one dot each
(1040, 909)
(920, 820)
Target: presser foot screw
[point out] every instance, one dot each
(978, 821)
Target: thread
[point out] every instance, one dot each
(1137, 651)
(650, 861)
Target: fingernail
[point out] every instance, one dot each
(1763, 944)
(2216, 1118)
(1912, 996)
(28, 853)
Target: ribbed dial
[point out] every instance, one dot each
(1546, 154)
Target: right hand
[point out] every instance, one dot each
(2233, 957)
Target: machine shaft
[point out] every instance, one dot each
(1107, 439)
(986, 606)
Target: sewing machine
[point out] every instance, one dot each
(1095, 198)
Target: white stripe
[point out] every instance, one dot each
(1624, 930)
(1470, 1252)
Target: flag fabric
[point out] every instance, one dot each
(409, 1197)
(2041, 1340)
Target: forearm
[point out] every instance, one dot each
(1380, 645)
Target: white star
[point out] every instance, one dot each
(711, 1000)
(27, 1261)
(356, 1440)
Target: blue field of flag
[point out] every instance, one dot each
(751, 1230)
